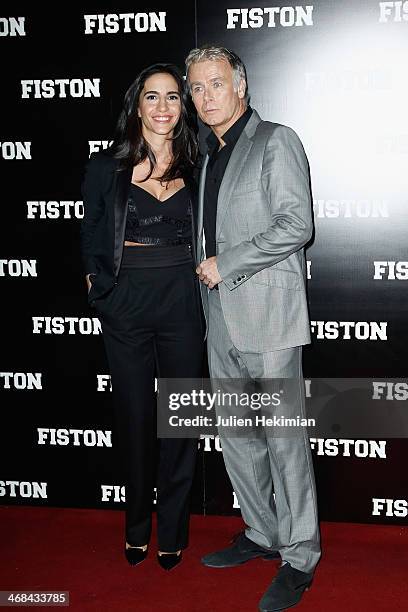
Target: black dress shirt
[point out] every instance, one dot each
(217, 164)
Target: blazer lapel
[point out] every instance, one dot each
(124, 178)
(200, 213)
(234, 168)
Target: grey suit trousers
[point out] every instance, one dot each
(272, 477)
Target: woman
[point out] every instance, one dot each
(138, 252)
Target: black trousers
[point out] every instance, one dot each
(152, 326)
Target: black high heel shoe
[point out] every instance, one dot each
(135, 555)
(169, 560)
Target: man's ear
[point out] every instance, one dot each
(241, 88)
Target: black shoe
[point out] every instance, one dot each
(169, 560)
(241, 551)
(286, 589)
(135, 555)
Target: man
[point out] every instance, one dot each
(255, 214)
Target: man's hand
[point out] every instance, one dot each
(208, 272)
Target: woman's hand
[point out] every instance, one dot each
(88, 282)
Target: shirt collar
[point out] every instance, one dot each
(231, 136)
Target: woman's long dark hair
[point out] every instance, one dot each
(129, 144)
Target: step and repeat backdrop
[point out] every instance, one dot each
(333, 71)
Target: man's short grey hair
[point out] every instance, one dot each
(214, 52)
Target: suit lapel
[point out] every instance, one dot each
(124, 178)
(200, 214)
(234, 168)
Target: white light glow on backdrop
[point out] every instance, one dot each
(348, 101)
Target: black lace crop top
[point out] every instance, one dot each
(151, 221)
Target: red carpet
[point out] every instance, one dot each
(363, 569)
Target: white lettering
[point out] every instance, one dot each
(348, 330)
(74, 437)
(398, 11)
(104, 382)
(255, 17)
(15, 488)
(348, 209)
(97, 145)
(331, 447)
(308, 270)
(125, 23)
(390, 390)
(16, 150)
(21, 380)
(392, 270)
(48, 88)
(393, 507)
(12, 26)
(70, 325)
(18, 267)
(65, 209)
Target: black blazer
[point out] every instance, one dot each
(105, 192)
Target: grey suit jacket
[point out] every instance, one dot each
(264, 219)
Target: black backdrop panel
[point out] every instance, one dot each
(333, 71)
